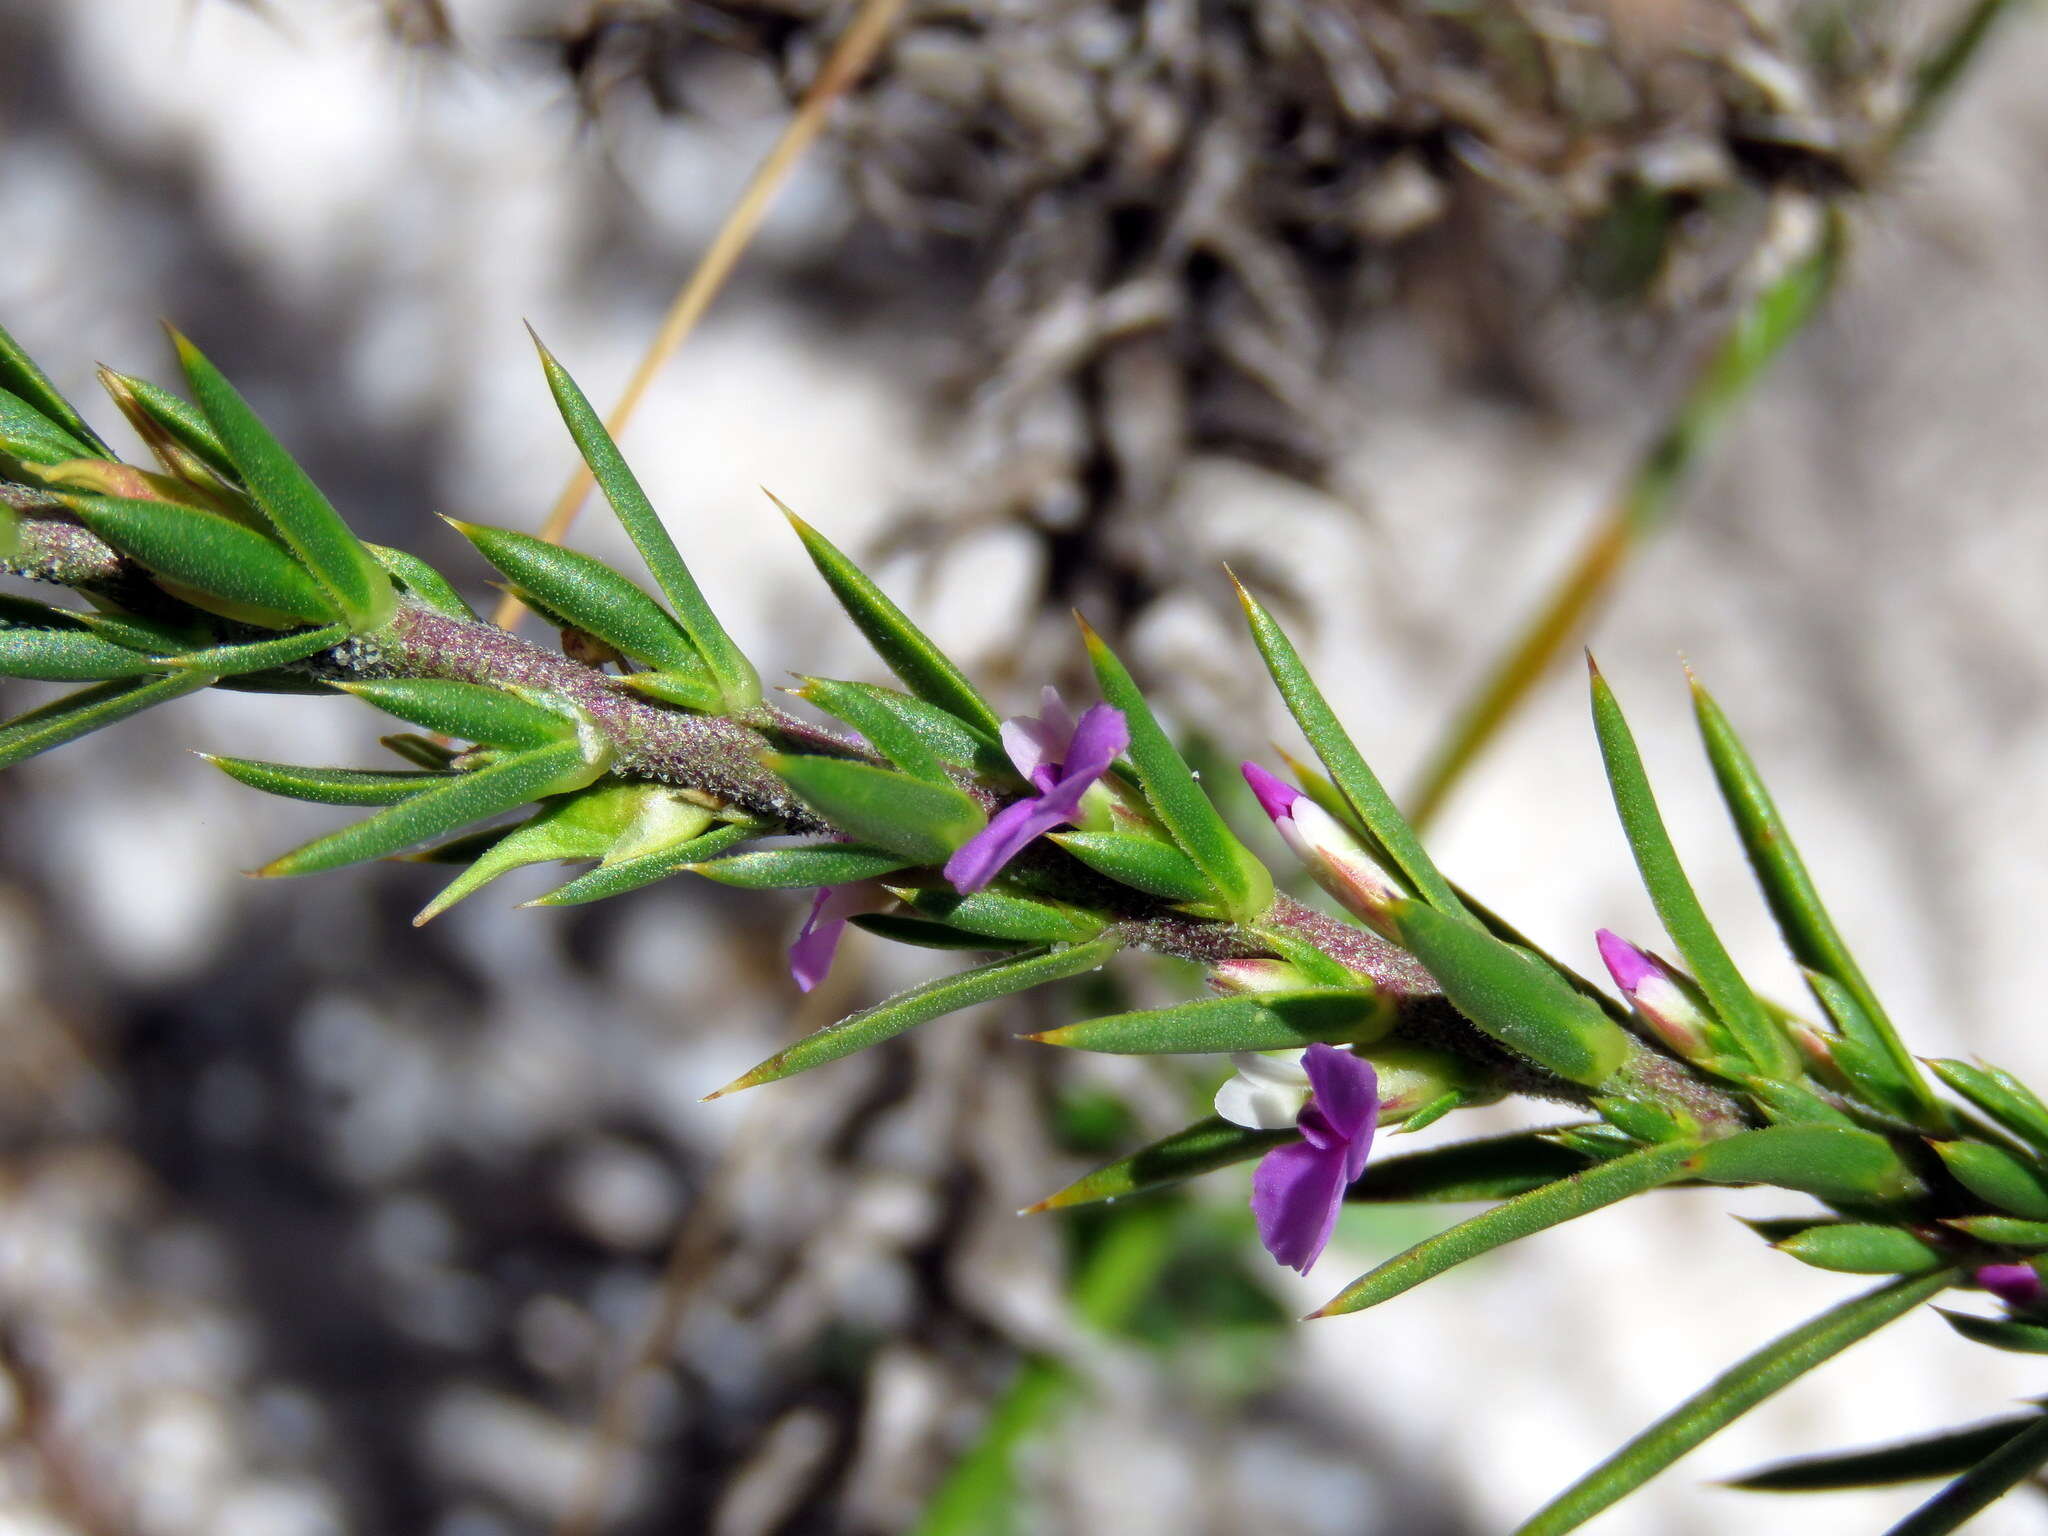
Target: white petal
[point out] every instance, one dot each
(1281, 1069)
(1261, 1104)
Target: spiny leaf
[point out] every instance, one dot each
(70, 654)
(931, 1000)
(490, 791)
(945, 734)
(998, 915)
(20, 376)
(908, 652)
(1143, 863)
(88, 710)
(1980, 1487)
(922, 821)
(1861, 1248)
(1809, 931)
(1202, 1148)
(587, 593)
(326, 786)
(468, 711)
(2001, 1096)
(29, 437)
(1729, 1396)
(2004, 1231)
(692, 688)
(212, 555)
(886, 729)
(1361, 787)
(1491, 1168)
(1906, 1461)
(1999, 1333)
(1266, 1021)
(180, 421)
(301, 514)
(1996, 1177)
(1673, 896)
(634, 873)
(923, 933)
(739, 683)
(1835, 1163)
(223, 661)
(427, 586)
(1866, 1060)
(809, 864)
(584, 825)
(1239, 881)
(1513, 997)
(1537, 1211)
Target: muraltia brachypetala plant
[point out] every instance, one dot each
(646, 747)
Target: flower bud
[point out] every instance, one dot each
(1658, 999)
(1329, 850)
(2017, 1285)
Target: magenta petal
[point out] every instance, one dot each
(1032, 745)
(1276, 796)
(1296, 1192)
(1099, 740)
(1347, 1091)
(810, 957)
(983, 855)
(2017, 1285)
(1629, 966)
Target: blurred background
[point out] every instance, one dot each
(311, 1222)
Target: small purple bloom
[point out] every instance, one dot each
(1299, 1188)
(1062, 759)
(1326, 847)
(1653, 990)
(2017, 1285)
(810, 957)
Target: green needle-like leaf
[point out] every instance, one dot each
(1860, 1248)
(585, 825)
(1202, 1148)
(1238, 879)
(1980, 1487)
(933, 999)
(213, 555)
(258, 655)
(179, 420)
(923, 933)
(1537, 1211)
(645, 869)
(1266, 1021)
(924, 822)
(1491, 1168)
(1906, 1461)
(885, 727)
(1361, 787)
(2001, 1096)
(1998, 1332)
(303, 517)
(1143, 863)
(327, 786)
(692, 688)
(1835, 1163)
(1673, 896)
(88, 710)
(21, 377)
(1515, 998)
(737, 679)
(67, 654)
(467, 711)
(1731, 1395)
(490, 791)
(998, 915)
(1996, 1177)
(1794, 901)
(587, 593)
(427, 586)
(2004, 1231)
(924, 669)
(945, 735)
(781, 869)
(29, 437)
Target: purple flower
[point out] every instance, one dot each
(1299, 1188)
(810, 957)
(1653, 990)
(2017, 1285)
(1062, 760)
